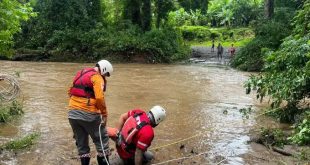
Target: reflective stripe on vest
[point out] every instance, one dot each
(82, 84)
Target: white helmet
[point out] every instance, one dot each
(159, 114)
(105, 67)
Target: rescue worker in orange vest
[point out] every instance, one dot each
(88, 111)
(136, 134)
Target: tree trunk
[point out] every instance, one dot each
(269, 8)
(204, 6)
(159, 12)
(136, 14)
(147, 15)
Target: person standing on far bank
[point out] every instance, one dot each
(220, 51)
(88, 110)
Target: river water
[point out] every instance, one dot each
(196, 98)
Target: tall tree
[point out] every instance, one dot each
(132, 11)
(201, 5)
(146, 15)
(163, 7)
(58, 15)
(12, 12)
(269, 8)
(204, 6)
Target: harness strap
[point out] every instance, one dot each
(142, 124)
(137, 114)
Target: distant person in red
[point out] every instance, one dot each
(232, 50)
(136, 134)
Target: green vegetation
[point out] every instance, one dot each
(286, 79)
(73, 30)
(201, 35)
(21, 143)
(301, 133)
(12, 12)
(269, 34)
(7, 111)
(246, 112)
(273, 137)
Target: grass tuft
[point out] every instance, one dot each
(21, 143)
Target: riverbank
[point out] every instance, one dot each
(197, 54)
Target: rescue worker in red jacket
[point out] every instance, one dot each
(136, 134)
(88, 111)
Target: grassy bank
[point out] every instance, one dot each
(203, 35)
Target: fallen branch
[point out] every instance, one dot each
(281, 151)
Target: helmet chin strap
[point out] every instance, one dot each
(151, 117)
(99, 70)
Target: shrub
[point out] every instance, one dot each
(195, 33)
(123, 44)
(273, 137)
(21, 143)
(268, 35)
(249, 58)
(12, 109)
(301, 134)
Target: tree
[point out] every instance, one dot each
(58, 15)
(163, 7)
(201, 5)
(269, 8)
(132, 11)
(287, 71)
(146, 15)
(12, 12)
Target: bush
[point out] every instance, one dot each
(249, 58)
(195, 33)
(10, 110)
(301, 134)
(22, 143)
(268, 35)
(158, 45)
(201, 33)
(272, 137)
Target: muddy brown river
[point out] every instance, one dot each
(196, 131)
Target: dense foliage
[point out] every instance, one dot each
(89, 30)
(12, 12)
(201, 33)
(230, 12)
(286, 79)
(269, 34)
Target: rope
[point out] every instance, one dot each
(156, 148)
(189, 157)
(9, 88)
(181, 158)
(198, 134)
(100, 136)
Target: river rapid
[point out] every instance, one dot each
(202, 102)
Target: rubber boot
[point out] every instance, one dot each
(85, 160)
(147, 157)
(101, 160)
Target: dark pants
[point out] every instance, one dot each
(83, 129)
